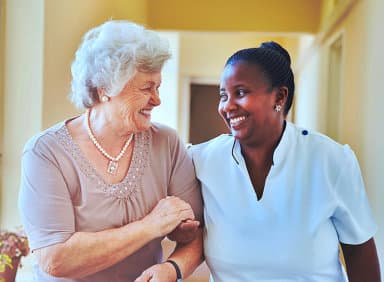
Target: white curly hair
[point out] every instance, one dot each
(108, 56)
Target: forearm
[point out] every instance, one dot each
(86, 253)
(362, 262)
(189, 256)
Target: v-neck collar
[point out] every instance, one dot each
(131, 183)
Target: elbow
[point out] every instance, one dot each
(52, 262)
(52, 266)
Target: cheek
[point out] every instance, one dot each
(220, 110)
(133, 103)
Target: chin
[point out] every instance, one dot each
(139, 125)
(144, 126)
(239, 135)
(236, 134)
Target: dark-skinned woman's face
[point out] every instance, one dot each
(247, 102)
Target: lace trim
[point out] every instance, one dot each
(132, 182)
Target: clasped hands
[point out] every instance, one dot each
(174, 218)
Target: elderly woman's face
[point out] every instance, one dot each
(136, 101)
(246, 102)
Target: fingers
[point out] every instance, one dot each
(146, 276)
(189, 225)
(185, 232)
(173, 206)
(158, 273)
(180, 215)
(173, 202)
(168, 214)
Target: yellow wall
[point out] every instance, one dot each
(204, 54)
(362, 100)
(369, 106)
(23, 82)
(241, 15)
(2, 43)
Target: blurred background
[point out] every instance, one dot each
(337, 55)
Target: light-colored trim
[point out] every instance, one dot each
(2, 116)
(327, 44)
(338, 14)
(332, 39)
(184, 108)
(204, 80)
(327, 31)
(255, 34)
(2, 61)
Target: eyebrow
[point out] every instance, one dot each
(150, 82)
(240, 85)
(236, 86)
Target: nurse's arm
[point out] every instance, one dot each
(362, 262)
(187, 256)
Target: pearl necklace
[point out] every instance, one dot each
(113, 161)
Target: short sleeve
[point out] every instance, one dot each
(184, 183)
(353, 218)
(44, 201)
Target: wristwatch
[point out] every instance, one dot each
(179, 278)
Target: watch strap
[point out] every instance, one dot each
(177, 268)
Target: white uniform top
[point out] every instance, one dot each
(313, 198)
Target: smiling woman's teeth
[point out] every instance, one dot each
(146, 112)
(236, 119)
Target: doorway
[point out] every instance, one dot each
(205, 122)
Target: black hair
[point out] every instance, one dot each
(275, 63)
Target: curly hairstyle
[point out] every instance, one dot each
(108, 56)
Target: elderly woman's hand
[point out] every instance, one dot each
(167, 215)
(185, 231)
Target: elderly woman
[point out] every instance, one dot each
(101, 190)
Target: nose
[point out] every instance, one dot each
(155, 98)
(228, 105)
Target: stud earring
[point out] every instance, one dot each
(104, 98)
(277, 108)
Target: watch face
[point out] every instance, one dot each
(179, 280)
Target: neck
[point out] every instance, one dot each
(110, 138)
(104, 127)
(262, 153)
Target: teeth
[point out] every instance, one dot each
(146, 112)
(236, 119)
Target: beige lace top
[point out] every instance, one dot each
(61, 192)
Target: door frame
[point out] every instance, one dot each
(339, 89)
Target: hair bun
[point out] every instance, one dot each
(278, 48)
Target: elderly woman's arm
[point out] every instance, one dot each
(187, 256)
(362, 262)
(85, 253)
